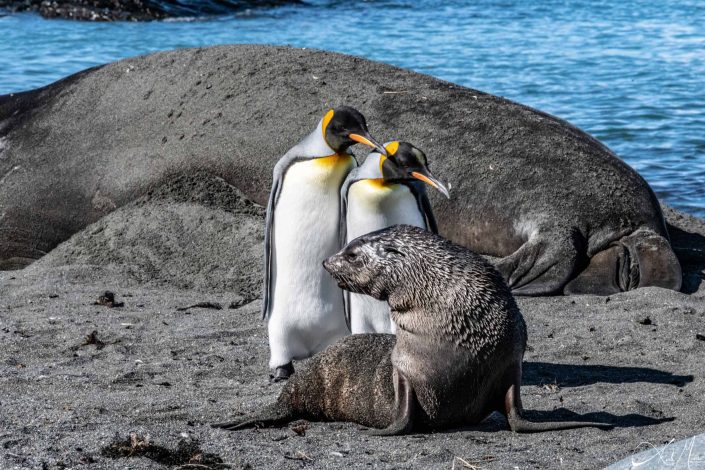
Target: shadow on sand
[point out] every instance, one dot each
(571, 375)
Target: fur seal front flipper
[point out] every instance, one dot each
(405, 405)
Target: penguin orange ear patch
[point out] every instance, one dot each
(326, 120)
(392, 147)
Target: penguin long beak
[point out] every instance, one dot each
(426, 176)
(369, 141)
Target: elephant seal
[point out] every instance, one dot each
(562, 211)
(457, 355)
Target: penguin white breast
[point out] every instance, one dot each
(374, 205)
(305, 233)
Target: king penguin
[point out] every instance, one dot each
(302, 303)
(386, 190)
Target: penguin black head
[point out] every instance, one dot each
(346, 126)
(404, 162)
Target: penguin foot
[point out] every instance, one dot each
(282, 373)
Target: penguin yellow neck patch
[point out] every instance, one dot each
(379, 183)
(332, 161)
(382, 159)
(326, 120)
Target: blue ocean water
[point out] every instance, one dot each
(632, 73)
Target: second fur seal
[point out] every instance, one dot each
(456, 358)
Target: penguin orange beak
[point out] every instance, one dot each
(369, 141)
(429, 179)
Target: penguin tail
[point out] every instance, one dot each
(271, 416)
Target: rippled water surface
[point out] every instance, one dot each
(632, 72)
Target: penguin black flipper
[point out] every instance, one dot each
(419, 191)
(268, 290)
(343, 220)
(353, 177)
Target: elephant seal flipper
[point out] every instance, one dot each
(542, 265)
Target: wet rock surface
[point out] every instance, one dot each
(134, 10)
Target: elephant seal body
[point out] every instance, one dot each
(458, 352)
(561, 210)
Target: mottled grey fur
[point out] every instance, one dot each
(458, 351)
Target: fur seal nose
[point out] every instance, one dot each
(328, 265)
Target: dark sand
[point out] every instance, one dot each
(633, 358)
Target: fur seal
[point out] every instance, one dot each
(456, 358)
(564, 213)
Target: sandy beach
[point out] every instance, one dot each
(187, 349)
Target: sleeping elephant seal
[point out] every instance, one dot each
(456, 358)
(527, 187)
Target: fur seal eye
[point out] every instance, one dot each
(392, 251)
(351, 256)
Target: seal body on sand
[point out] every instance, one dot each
(459, 346)
(560, 209)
